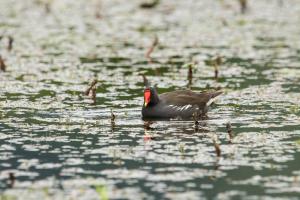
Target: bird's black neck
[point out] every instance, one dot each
(154, 99)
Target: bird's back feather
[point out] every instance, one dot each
(186, 97)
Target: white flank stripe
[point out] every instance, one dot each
(180, 108)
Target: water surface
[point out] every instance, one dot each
(59, 145)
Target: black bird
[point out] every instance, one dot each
(181, 103)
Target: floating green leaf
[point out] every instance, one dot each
(102, 192)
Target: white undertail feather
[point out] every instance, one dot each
(211, 101)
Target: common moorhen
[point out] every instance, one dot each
(181, 103)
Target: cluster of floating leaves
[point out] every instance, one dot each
(57, 142)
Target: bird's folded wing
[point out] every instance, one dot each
(187, 97)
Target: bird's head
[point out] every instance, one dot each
(150, 96)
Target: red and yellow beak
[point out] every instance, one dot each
(147, 97)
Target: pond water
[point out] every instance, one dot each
(56, 143)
